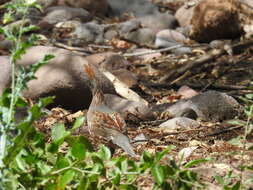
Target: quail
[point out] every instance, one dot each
(104, 123)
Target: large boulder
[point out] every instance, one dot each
(215, 19)
(63, 77)
(99, 7)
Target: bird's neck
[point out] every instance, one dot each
(98, 97)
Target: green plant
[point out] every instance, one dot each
(27, 161)
(240, 141)
(227, 181)
(12, 134)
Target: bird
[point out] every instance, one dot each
(103, 122)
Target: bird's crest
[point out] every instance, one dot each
(89, 71)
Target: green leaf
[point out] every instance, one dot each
(236, 186)
(66, 178)
(43, 167)
(237, 122)
(59, 133)
(116, 179)
(84, 184)
(124, 166)
(158, 173)
(29, 29)
(78, 151)
(249, 96)
(46, 101)
(250, 148)
(104, 153)
(196, 162)
(127, 187)
(219, 179)
(160, 155)
(169, 171)
(237, 141)
(147, 158)
(71, 140)
(51, 187)
(21, 162)
(62, 162)
(78, 123)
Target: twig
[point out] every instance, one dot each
(206, 58)
(153, 51)
(100, 46)
(78, 49)
(224, 131)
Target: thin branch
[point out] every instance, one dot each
(152, 51)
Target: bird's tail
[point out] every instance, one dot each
(123, 142)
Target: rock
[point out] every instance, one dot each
(110, 34)
(114, 63)
(129, 26)
(186, 152)
(178, 123)
(184, 30)
(143, 36)
(215, 19)
(209, 106)
(170, 38)
(125, 106)
(158, 22)
(63, 13)
(109, 60)
(126, 76)
(184, 15)
(99, 7)
(78, 33)
(147, 57)
(248, 3)
(182, 50)
(63, 77)
(138, 8)
(186, 92)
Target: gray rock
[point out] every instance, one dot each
(98, 7)
(89, 32)
(108, 60)
(78, 33)
(159, 21)
(64, 13)
(178, 123)
(138, 8)
(126, 77)
(184, 15)
(110, 34)
(184, 30)
(209, 106)
(63, 77)
(129, 26)
(248, 3)
(143, 36)
(170, 38)
(125, 106)
(182, 50)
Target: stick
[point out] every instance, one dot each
(152, 51)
